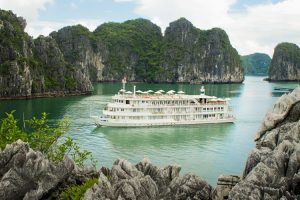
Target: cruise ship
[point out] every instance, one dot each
(148, 108)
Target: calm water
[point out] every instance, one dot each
(206, 150)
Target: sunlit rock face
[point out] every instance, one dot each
(146, 181)
(272, 169)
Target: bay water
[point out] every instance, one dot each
(207, 150)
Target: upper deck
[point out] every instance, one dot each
(163, 97)
(160, 98)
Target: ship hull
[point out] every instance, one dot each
(147, 123)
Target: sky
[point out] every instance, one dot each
(252, 25)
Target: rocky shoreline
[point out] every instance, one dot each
(272, 170)
(47, 95)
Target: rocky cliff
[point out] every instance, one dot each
(256, 64)
(70, 59)
(133, 49)
(137, 49)
(285, 64)
(194, 55)
(37, 67)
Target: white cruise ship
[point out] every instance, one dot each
(160, 108)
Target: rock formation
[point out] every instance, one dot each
(37, 67)
(285, 64)
(194, 55)
(72, 58)
(26, 174)
(256, 64)
(146, 181)
(272, 170)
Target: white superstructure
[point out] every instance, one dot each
(137, 108)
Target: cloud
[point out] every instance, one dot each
(202, 13)
(28, 9)
(37, 28)
(258, 28)
(262, 27)
(122, 1)
(73, 6)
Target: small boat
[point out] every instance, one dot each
(160, 108)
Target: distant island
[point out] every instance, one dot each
(256, 64)
(69, 60)
(285, 64)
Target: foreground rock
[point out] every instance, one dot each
(146, 181)
(272, 170)
(26, 174)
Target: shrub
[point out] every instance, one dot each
(77, 192)
(44, 138)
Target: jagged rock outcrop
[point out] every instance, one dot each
(30, 68)
(272, 170)
(145, 181)
(224, 186)
(256, 64)
(285, 64)
(26, 174)
(194, 55)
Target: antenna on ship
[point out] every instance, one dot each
(124, 82)
(24, 125)
(202, 90)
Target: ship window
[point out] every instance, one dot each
(127, 102)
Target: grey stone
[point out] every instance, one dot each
(26, 174)
(272, 168)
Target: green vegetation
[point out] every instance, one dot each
(50, 140)
(256, 64)
(77, 192)
(11, 38)
(132, 45)
(290, 52)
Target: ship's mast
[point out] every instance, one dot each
(124, 82)
(202, 90)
